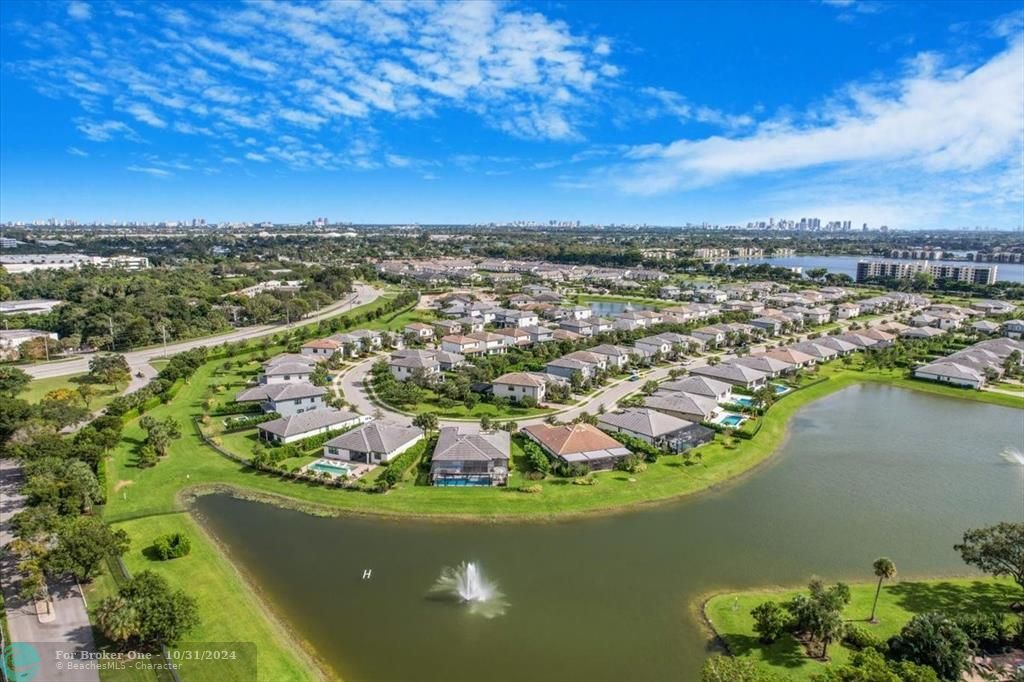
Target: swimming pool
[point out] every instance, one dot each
(331, 467)
(743, 400)
(780, 389)
(731, 420)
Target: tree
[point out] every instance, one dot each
(83, 543)
(485, 423)
(159, 434)
(426, 421)
(769, 621)
(175, 545)
(871, 666)
(819, 614)
(998, 550)
(934, 640)
(884, 569)
(12, 381)
(151, 612)
(650, 387)
(109, 368)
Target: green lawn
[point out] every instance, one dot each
(729, 616)
(38, 388)
(147, 502)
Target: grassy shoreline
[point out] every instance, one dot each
(726, 616)
(147, 502)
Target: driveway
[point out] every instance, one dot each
(69, 630)
(138, 359)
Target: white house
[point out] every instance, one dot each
(951, 373)
(308, 424)
(374, 443)
(517, 385)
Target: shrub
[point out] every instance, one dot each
(172, 546)
(586, 480)
(858, 638)
(987, 631)
(934, 640)
(531, 489)
(769, 621)
(633, 464)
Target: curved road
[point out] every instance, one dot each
(138, 360)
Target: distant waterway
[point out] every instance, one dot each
(847, 265)
(866, 472)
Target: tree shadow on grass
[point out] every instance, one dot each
(785, 652)
(954, 597)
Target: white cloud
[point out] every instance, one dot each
(935, 121)
(305, 119)
(150, 170)
(143, 113)
(80, 11)
(253, 156)
(75, 151)
(238, 56)
(105, 130)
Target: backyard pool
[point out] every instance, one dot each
(781, 388)
(333, 468)
(731, 420)
(743, 400)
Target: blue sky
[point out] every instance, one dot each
(909, 114)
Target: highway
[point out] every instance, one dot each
(139, 359)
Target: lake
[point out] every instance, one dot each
(847, 265)
(866, 472)
(606, 308)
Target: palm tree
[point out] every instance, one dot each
(885, 569)
(117, 619)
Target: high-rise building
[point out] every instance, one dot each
(975, 274)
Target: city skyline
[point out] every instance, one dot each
(903, 115)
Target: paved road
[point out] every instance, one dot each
(70, 629)
(137, 360)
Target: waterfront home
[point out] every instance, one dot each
(921, 333)
(463, 345)
(659, 429)
(734, 374)
(376, 442)
(683, 405)
(816, 350)
(1014, 329)
(951, 373)
(489, 343)
(462, 458)
(320, 348)
(990, 307)
(616, 357)
(578, 444)
(578, 312)
(630, 323)
(600, 324)
(983, 360)
(539, 334)
(792, 356)
(285, 399)
(653, 317)
(719, 391)
(518, 385)
(285, 372)
(771, 366)
(419, 330)
(836, 344)
(308, 424)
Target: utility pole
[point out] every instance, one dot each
(163, 329)
(110, 318)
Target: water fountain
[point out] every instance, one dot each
(1013, 456)
(466, 584)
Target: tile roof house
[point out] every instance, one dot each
(683, 405)
(320, 348)
(951, 373)
(283, 398)
(578, 443)
(374, 443)
(470, 459)
(308, 424)
(657, 428)
(419, 330)
(517, 385)
(771, 366)
(815, 350)
(792, 356)
(287, 372)
(703, 386)
(731, 373)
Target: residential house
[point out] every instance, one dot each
(578, 444)
(320, 348)
(308, 424)
(616, 357)
(419, 330)
(597, 360)
(816, 350)
(564, 367)
(490, 344)
(846, 311)
(377, 442)
(652, 345)
(921, 333)
(448, 327)
(405, 364)
(518, 385)
(463, 458)
(771, 366)
(659, 429)
(683, 405)
(837, 344)
(515, 336)
(734, 374)
(516, 318)
(669, 291)
(792, 356)
(471, 324)
(1014, 329)
(986, 327)
(581, 327)
(286, 399)
(287, 372)
(539, 334)
(463, 345)
(951, 373)
(719, 391)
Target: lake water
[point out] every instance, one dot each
(870, 471)
(606, 308)
(847, 265)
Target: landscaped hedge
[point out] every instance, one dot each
(249, 422)
(399, 466)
